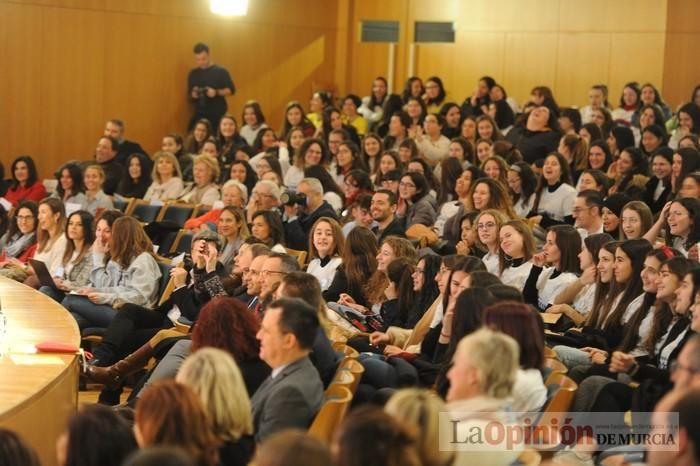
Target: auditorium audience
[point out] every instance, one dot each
(76, 261)
(123, 272)
(533, 232)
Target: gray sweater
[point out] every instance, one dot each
(137, 284)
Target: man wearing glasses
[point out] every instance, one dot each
(587, 211)
(275, 266)
(265, 196)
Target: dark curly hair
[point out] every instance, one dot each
(225, 323)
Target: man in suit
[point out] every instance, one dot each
(292, 395)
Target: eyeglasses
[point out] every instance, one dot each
(25, 218)
(406, 185)
(254, 273)
(675, 365)
(487, 225)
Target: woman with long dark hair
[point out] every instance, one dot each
(555, 195)
(680, 219)
(25, 184)
(561, 249)
(76, 262)
(137, 179)
(70, 188)
(18, 244)
(124, 272)
(359, 261)
(414, 205)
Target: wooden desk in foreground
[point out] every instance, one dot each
(37, 392)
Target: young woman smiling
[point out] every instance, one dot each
(97, 200)
(517, 246)
(233, 228)
(680, 220)
(488, 225)
(326, 246)
(167, 178)
(51, 240)
(554, 199)
(576, 300)
(76, 262)
(25, 183)
(561, 249)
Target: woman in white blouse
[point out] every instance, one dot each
(167, 178)
(488, 224)
(51, 242)
(515, 253)
(326, 243)
(576, 300)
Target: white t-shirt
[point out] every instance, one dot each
(516, 276)
(324, 274)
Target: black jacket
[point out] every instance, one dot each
(297, 231)
(395, 228)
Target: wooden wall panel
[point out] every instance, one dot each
(504, 15)
(21, 79)
(617, 16)
(72, 64)
(475, 55)
(561, 43)
(681, 72)
(624, 63)
(525, 64)
(582, 60)
(368, 60)
(73, 69)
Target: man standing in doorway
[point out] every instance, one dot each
(208, 86)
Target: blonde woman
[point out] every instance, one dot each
(234, 229)
(217, 381)
(204, 190)
(97, 200)
(167, 178)
(420, 409)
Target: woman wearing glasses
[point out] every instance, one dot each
(414, 204)
(19, 243)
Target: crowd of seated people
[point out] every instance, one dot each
(453, 250)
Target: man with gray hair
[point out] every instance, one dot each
(115, 128)
(265, 196)
(301, 215)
